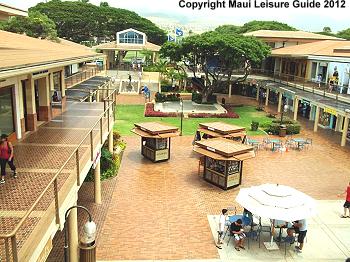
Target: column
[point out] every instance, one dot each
(97, 95)
(345, 130)
(63, 89)
(73, 235)
(267, 96)
(317, 118)
(257, 93)
(17, 109)
(51, 82)
(296, 107)
(44, 99)
(153, 57)
(279, 102)
(97, 176)
(31, 108)
(229, 90)
(110, 139)
(339, 123)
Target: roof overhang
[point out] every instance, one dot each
(26, 69)
(12, 11)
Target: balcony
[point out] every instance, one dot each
(52, 164)
(81, 76)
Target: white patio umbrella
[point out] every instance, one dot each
(278, 202)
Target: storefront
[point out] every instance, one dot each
(304, 108)
(328, 118)
(7, 124)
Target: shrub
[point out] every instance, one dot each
(160, 98)
(292, 127)
(254, 126)
(149, 112)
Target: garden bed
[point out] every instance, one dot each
(150, 112)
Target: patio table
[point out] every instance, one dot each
(274, 142)
(300, 142)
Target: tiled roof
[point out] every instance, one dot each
(290, 35)
(321, 48)
(114, 46)
(17, 51)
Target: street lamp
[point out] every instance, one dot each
(89, 231)
(182, 114)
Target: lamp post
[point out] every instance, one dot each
(89, 231)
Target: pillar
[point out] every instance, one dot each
(90, 97)
(257, 93)
(279, 102)
(97, 176)
(296, 107)
(267, 96)
(153, 57)
(345, 130)
(229, 90)
(97, 95)
(17, 109)
(110, 139)
(44, 99)
(73, 235)
(317, 118)
(31, 108)
(52, 85)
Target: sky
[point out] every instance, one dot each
(304, 19)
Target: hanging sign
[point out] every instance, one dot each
(330, 111)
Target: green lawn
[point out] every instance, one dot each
(127, 115)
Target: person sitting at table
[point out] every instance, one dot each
(237, 231)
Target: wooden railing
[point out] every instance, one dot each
(81, 76)
(11, 238)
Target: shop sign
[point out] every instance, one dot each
(162, 154)
(233, 180)
(330, 111)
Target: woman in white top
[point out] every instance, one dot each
(223, 220)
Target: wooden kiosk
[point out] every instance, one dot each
(220, 129)
(155, 140)
(223, 160)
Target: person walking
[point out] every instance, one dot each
(347, 201)
(223, 222)
(300, 225)
(6, 156)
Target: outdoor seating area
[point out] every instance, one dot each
(280, 211)
(280, 145)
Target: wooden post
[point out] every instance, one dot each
(279, 102)
(267, 97)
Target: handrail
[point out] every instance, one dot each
(30, 210)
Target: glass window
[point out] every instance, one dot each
(57, 81)
(6, 113)
(130, 38)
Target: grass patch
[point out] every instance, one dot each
(127, 115)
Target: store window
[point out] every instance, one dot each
(6, 111)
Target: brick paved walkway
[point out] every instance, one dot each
(159, 211)
(38, 157)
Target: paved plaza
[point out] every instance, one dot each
(164, 210)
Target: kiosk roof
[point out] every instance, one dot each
(155, 128)
(221, 127)
(224, 147)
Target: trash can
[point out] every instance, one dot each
(283, 130)
(87, 252)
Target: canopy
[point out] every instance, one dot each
(275, 201)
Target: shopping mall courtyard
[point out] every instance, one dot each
(161, 211)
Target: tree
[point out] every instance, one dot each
(80, 21)
(228, 29)
(344, 34)
(35, 25)
(327, 29)
(218, 55)
(265, 25)
(104, 4)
